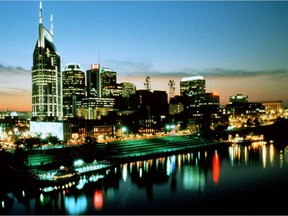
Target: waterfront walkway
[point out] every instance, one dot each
(153, 146)
(120, 150)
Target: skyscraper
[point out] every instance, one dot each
(73, 88)
(93, 81)
(46, 75)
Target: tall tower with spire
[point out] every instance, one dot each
(46, 75)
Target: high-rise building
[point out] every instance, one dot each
(93, 81)
(108, 77)
(46, 75)
(192, 85)
(73, 88)
(109, 85)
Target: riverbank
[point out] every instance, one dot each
(155, 147)
(49, 159)
(52, 158)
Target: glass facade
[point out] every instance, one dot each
(109, 83)
(46, 78)
(73, 88)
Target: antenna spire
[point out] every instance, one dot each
(40, 12)
(51, 25)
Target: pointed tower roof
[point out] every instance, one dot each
(40, 13)
(43, 32)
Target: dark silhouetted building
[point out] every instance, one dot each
(93, 81)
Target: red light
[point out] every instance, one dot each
(216, 168)
(98, 199)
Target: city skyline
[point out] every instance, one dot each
(239, 47)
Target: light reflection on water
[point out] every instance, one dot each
(75, 205)
(193, 182)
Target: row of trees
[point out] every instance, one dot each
(31, 142)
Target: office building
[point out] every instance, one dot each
(128, 89)
(108, 77)
(46, 75)
(91, 108)
(151, 110)
(274, 107)
(109, 83)
(192, 85)
(239, 98)
(93, 81)
(73, 88)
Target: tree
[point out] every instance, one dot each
(53, 139)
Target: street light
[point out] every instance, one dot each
(124, 129)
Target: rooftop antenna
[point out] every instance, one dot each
(147, 83)
(51, 25)
(40, 12)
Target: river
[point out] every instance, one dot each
(232, 179)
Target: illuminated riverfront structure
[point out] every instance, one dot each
(61, 130)
(73, 88)
(46, 75)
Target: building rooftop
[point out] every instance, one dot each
(192, 78)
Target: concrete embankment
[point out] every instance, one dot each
(115, 151)
(155, 147)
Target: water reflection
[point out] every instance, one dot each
(98, 199)
(267, 154)
(216, 168)
(272, 153)
(193, 178)
(76, 205)
(171, 182)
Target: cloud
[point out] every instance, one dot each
(15, 81)
(11, 71)
(229, 73)
(10, 90)
(142, 69)
(131, 68)
(220, 72)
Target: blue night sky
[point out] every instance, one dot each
(238, 46)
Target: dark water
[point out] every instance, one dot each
(220, 180)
